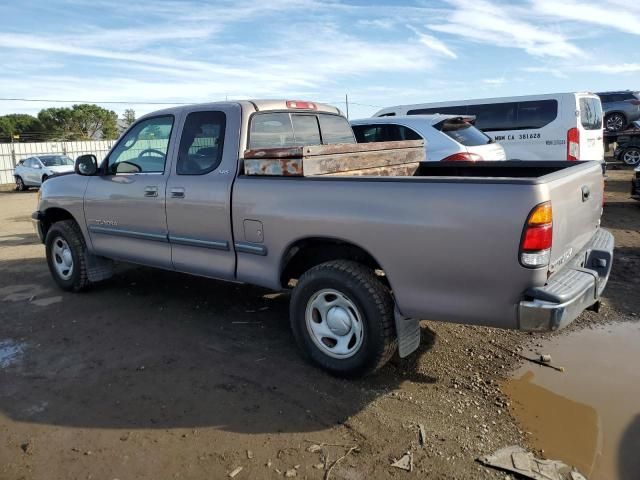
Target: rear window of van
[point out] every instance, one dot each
(591, 113)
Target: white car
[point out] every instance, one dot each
(32, 171)
(447, 137)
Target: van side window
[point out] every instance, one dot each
(536, 114)
(201, 145)
(494, 116)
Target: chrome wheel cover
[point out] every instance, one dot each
(334, 323)
(62, 258)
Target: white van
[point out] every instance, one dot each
(560, 126)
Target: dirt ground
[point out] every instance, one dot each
(157, 375)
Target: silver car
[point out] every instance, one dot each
(447, 137)
(621, 109)
(32, 171)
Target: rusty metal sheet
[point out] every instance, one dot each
(404, 170)
(344, 159)
(274, 166)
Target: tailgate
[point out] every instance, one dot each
(576, 199)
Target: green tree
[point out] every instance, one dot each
(80, 122)
(27, 127)
(129, 117)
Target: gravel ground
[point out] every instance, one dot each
(159, 375)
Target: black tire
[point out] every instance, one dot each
(631, 156)
(69, 232)
(374, 305)
(615, 122)
(20, 186)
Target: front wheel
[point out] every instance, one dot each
(631, 156)
(20, 186)
(342, 318)
(67, 256)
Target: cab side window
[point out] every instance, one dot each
(144, 148)
(201, 144)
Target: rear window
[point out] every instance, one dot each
(384, 133)
(335, 129)
(463, 132)
(282, 130)
(591, 113)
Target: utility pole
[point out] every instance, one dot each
(346, 103)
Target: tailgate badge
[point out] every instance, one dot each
(563, 258)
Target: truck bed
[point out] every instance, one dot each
(508, 169)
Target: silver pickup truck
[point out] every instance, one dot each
(513, 245)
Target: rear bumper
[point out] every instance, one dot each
(36, 220)
(572, 290)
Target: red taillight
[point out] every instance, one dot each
(301, 105)
(463, 157)
(635, 102)
(573, 145)
(537, 237)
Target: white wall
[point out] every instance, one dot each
(12, 153)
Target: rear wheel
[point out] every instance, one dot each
(631, 156)
(342, 318)
(615, 122)
(20, 186)
(67, 256)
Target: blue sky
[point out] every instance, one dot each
(381, 53)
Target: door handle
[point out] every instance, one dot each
(177, 192)
(150, 191)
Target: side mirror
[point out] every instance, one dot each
(86, 165)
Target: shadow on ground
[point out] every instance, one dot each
(155, 349)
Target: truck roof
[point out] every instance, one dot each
(258, 105)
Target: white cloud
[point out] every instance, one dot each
(613, 69)
(494, 82)
(504, 26)
(433, 44)
(617, 15)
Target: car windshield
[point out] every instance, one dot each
(55, 160)
(463, 132)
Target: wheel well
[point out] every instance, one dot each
(53, 215)
(614, 112)
(306, 254)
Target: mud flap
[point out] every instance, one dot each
(408, 332)
(98, 268)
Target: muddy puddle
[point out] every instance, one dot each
(588, 416)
